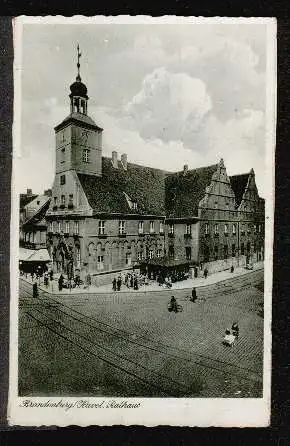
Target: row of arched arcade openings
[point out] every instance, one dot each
(98, 257)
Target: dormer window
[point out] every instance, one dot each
(134, 206)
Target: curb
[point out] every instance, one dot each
(54, 293)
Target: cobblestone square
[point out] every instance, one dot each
(130, 345)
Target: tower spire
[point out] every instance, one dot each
(78, 64)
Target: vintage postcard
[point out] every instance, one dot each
(142, 222)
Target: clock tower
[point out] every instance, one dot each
(78, 138)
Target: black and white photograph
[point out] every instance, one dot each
(143, 184)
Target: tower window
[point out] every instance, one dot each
(63, 200)
(161, 227)
(151, 227)
(62, 155)
(86, 156)
(171, 228)
(234, 229)
(62, 180)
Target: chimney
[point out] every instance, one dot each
(48, 193)
(124, 160)
(115, 159)
(185, 169)
(29, 192)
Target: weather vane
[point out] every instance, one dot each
(78, 64)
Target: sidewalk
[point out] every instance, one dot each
(153, 286)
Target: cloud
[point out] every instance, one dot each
(169, 106)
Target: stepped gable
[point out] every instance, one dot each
(143, 185)
(185, 190)
(239, 183)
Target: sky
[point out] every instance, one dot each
(165, 94)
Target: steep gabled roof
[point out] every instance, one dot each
(184, 191)
(143, 185)
(25, 199)
(38, 218)
(239, 183)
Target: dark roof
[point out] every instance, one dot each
(38, 219)
(143, 185)
(239, 183)
(25, 199)
(184, 191)
(79, 119)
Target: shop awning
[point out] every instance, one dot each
(34, 255)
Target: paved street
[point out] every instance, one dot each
(130, 345)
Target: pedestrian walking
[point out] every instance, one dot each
(235, 330)
(114, 284)
(89, 280)
(193, 295)
(60, 282)
(45, 280)
(205, 273)
(195, 272)
(131, 281)
(51, 274)
(35, 290)
(119, 283)
(136, 284)
(232, 269)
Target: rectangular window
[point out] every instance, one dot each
(134, 206)
(151, 254)
(86, 155)
(101, 227)
(50, 226)
(70, 199)
(122, 227)
(158, 253)
(233, 250)
(260, 228)
(226, 229)
(67, 227)
(216, 229)
(171, 228)
(188, 253)
(55, 201)
(59, 227)
(76, 227)
(188, 229)
(161, 227)
(128, 259)
(62, 200)
(62, 156)
(206, 229)
(140, 255)
(151, 227)
(234, 229)
(140, 227)
(255, 229)
(62, 180)
(100, 263)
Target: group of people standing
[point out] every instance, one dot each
(129, 280)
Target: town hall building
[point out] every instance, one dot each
(107, 214)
